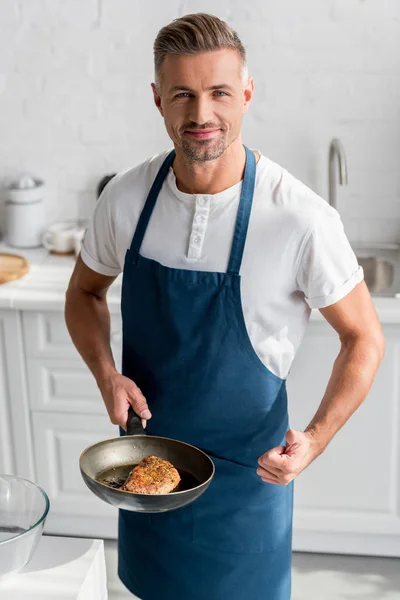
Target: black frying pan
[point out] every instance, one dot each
(117, 455)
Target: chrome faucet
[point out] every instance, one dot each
(336, 149)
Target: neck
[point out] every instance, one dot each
(213, 176)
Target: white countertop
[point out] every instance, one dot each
(61, 568)
(44, 286)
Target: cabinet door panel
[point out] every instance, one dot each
(7, 461)
(66, 386)
(46, 336)
(58, 378)
(59, 440)
(15, 432)
(354, 486)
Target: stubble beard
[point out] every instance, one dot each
(204, 150)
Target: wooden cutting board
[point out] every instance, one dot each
(12, 267)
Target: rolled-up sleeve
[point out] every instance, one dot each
(328, 269)
(99, 250)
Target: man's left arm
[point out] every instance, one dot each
(355, 320)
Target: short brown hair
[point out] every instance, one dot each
(194, 33)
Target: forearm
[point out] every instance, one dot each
(88, 322)
(352, 377)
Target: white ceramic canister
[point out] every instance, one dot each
(25, 213)
(25, 224)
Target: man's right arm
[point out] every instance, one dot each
(88, 322)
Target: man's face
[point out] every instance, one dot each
(202, 100)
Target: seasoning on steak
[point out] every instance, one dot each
(153, 475)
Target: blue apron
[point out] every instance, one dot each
(186, 346)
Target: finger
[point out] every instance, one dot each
(276, 451)
(268, 463)
(118, 418)
(263, 472)
(139, 403)
(268, 478)
(280, 480)
(122, 421)
(121, 417)
(273, 457)
(273, 481)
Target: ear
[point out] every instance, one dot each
(157, 98)
(248, 94)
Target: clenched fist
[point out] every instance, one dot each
(282, 464)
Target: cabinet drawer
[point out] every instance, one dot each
(63, 385)
(46, 336)
(58, 378)
(58, 441)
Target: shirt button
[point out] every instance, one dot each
(202, 201)
(199, 219)
(197, 240)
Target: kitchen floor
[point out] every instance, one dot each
(315, 577)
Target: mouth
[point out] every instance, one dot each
(201, 134)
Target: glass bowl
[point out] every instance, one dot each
(23, 510)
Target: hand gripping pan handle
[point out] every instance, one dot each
(134, 424)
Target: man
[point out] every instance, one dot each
(230, 254)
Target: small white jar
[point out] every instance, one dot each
(25, 215)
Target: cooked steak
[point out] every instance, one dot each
(153, 475)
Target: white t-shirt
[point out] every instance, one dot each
(297, 256)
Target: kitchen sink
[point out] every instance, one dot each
(378, 273)
(381, 266)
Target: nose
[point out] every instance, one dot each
(200, 111)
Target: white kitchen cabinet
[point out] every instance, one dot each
(7, 459)
(348, 499)
(58, 440)
(67, 415)
(58, 378)
(46, 335)
(62, 385)
(15, 433)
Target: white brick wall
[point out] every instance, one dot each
(76, 102)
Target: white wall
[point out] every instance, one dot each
(76, 102)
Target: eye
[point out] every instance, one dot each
(186, 94)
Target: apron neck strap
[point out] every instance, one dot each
(243, 214)
(150, 204)
(242, 219)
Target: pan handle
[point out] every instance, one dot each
(134, 424)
